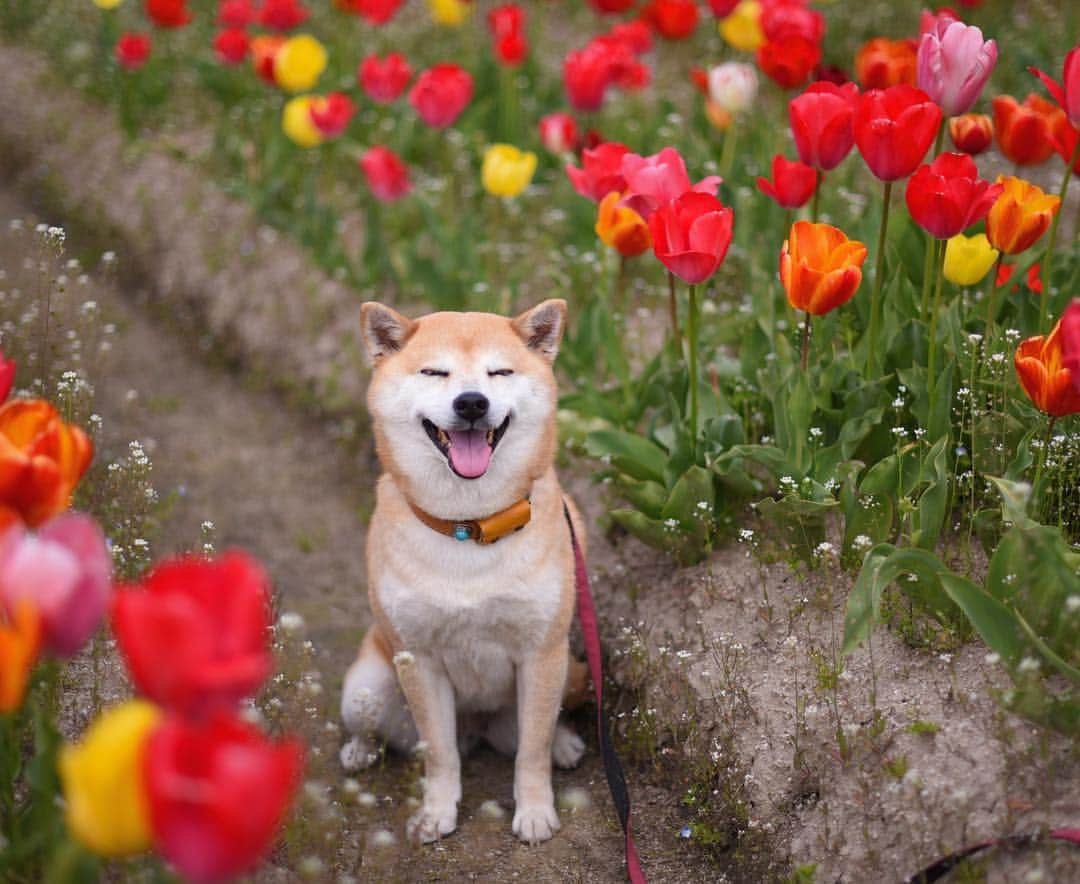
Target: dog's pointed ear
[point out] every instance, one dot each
(385, 331)
(542, 327)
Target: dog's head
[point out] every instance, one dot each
(463, 404)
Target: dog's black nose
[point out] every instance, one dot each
(471, 406)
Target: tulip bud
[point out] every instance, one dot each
(1020, 215)
(968, 258)
(621, 228)
(971, 133)
(506, 170)
(732, 86)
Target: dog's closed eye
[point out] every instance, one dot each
(500, 373)
(434, 373)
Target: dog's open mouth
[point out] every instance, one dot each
(467, 451)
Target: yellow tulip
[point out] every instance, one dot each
(107, 4)
(299, 63)
(107, 808)
(297, 123)
(450, 13)
(507, 171)
(968, 258)
(742, 29)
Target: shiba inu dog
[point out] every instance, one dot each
(469, 559)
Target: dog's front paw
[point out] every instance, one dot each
(535, 823)
(567, 747)
(356, 755)
(430, 823)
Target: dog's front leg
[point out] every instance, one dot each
(431, 701)
(541, 679)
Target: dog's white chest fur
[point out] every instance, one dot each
(478, 610)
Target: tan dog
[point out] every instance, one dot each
(473, 635)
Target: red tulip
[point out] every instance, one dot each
(218, 791)
(386, 174)
(168, 13)
(331, 114)
(601, 171)
(378, 12)
(603, 62)
(441, 93)
(558, 132)
(780, 20)
(606, 6)
(882, 63)
(788, 61)
(7, 376)
(264, 48)
(231, 45)
(672, 19)
(831, 73)
(636, 34)
(1067, 92)
(383, 80)
(133, 51)
(1070, 341)
(194, 633)
(507, 25)
(971, 133)
(894, 128)
(793, 183)
(723, 8)
(947, 196)
(1025, 132)
(691, 235)
(821, 121)
(282, 15)
(236, 13)
(656, 180)
(1031, 280)
(1064, 138)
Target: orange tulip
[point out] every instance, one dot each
(621, 228)
(20, 641)
(881, 63)
(1044, 377)
(41, 461)
(1020, 215)
(820, 267)
(1025, 132)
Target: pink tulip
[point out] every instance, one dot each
(1067, 92)
(691, 235)
(953, 65)
(1070, 341)
(64, 569)
(656, 180)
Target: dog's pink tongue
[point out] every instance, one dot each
(469, 452)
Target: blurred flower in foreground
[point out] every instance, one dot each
(968, 258)
(64, 571)
(1044, 376)
(441, 93)
(1020, 215)
(383, 80)
(132, 51)
(168, 13)
(1025, 131)
(299, 63)
(102, 777)
(971, 133)
(882, 63)
(41, 461)
(691, 235)
(1070, 341)
(450, 13)
(620, 228)
(742, 28)
(296, 122)
(195, 632)
(7, 376)
(507, 170)
(792, 183)
(559, 132)
(954, 64)
(218, 792)
(20, 641)
(387, 176)
(820, 268)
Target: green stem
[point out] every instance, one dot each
(872, 355)
(815, 203)
(673, 310)
(727, 152)
(1044, 298)
(692, 347)
(928, 269)
(931, 373)
(990, 297)
(806, 341)
(1042, 454)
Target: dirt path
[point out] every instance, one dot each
(283, 486)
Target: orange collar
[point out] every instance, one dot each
(483, 531)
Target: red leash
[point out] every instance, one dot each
(620, 795)
(943, 866)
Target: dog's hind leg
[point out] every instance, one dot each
(372, 705)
